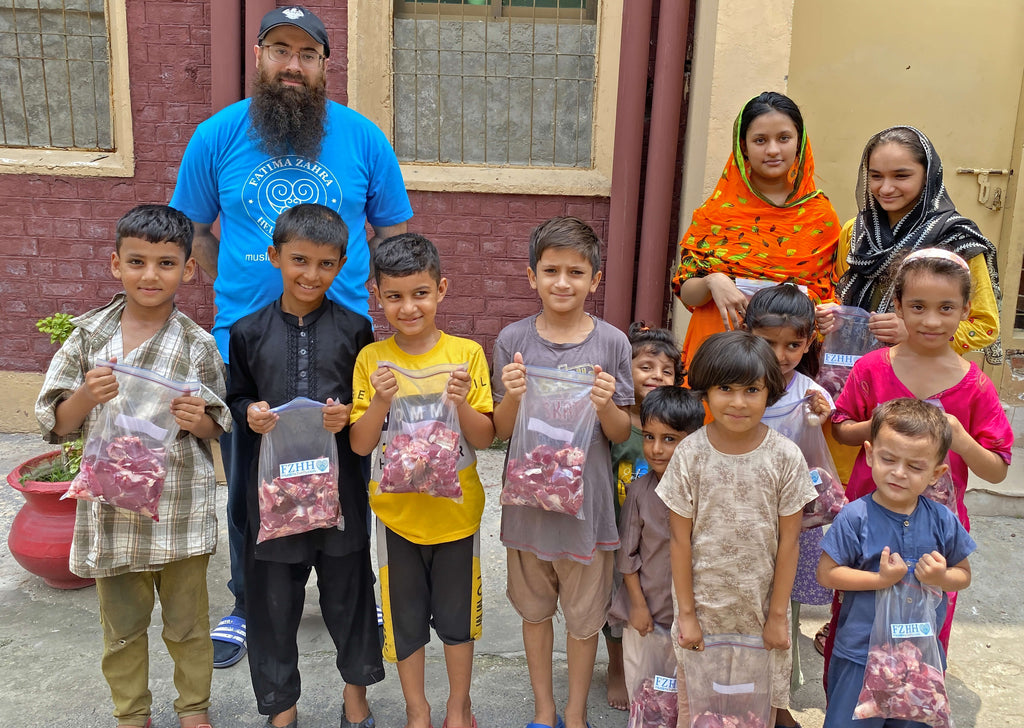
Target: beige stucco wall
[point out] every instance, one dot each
(731, 64)
(16, 411)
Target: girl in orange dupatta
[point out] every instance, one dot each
(765, 221)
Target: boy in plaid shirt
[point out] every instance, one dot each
(131, 555)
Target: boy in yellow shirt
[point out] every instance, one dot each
(428, 548)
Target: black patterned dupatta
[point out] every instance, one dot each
(932, 223)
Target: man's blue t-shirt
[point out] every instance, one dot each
(223, 172)
(856, 539)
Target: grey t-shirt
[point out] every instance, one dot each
(551, 535)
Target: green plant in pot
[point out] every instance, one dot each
(59, 327)
(40, 535)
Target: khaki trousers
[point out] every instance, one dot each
(126, 607)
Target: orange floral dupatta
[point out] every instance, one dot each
(740, 233)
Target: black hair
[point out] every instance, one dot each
(566, 233)
(767, 102)
(914, 418)
(786, 306)
(309, 221)
(645, 340)
(156, 224)
(404, 255)
(736, 357)
(679, 408)
(901, 135)
(937, 266)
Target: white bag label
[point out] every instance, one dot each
(913, 629)
(840, 360)
(738, 689)
(305, 467)
(136, 425)
(664, 684)
(555, 433)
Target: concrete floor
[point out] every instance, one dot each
(50, 645)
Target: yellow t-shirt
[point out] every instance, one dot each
(419, 517)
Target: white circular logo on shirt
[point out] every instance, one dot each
(284, 182)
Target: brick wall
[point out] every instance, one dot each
(56, 233)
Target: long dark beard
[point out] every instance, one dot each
(286, 118)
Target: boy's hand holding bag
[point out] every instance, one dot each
(904, 676)
(548, 451)
(422, 443)
(298, 473)
(124, 459)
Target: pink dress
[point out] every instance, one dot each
(973, 400)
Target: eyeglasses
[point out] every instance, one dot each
(282, 54)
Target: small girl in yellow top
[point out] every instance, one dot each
(904, 206)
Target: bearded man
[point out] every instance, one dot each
(285, 145)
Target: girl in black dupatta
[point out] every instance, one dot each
(904, 206)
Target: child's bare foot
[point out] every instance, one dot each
(618, 698)
(195, 721)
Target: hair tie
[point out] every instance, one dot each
(940, 253)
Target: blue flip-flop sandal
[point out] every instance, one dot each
(559, 723)
(230, 631)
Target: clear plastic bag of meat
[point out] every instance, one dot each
(124, 461)
(298, 473)
(847, 341)
(792, 421)
(904, 678)
(650, 668)
(729, 682)
(548, 450)
(423, 450)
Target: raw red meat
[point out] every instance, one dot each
(831, 499)
(707, 719)
(653, 708)
(425, 461)
(832, 378)
(942, 491)
(299, 504)
(897, 684)
(126, 474)
(549, 479)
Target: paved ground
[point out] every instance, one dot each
(50, 645)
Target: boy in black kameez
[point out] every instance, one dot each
(305, 346)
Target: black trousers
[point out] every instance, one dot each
(275, 593)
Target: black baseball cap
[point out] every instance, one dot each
(301, 18)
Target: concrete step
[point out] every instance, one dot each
(999, 499)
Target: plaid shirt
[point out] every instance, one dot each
(110, 541)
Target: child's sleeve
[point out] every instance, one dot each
(627, 559)
(243, 390)
(623, 373)
(988, 424)
(795, 488)
(677, 486)
(842, 539)
(362, 390)
(65, 374)
(210, 372)
(851, 404)
(480, 397)
(501, 356)
(958, 543)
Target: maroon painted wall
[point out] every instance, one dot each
(56, 233)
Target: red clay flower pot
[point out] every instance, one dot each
(40, 536)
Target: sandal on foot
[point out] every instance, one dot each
(367, 722)
(820, 637)
(559, 723)
(228, 641)
(293, 724)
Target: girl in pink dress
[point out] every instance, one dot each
(932, 295)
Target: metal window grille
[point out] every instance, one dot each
(496, 82)
(55, 74)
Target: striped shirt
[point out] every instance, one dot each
(109, 541)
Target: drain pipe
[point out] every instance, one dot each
(225, 53)
(628, 155)
(669, 66)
